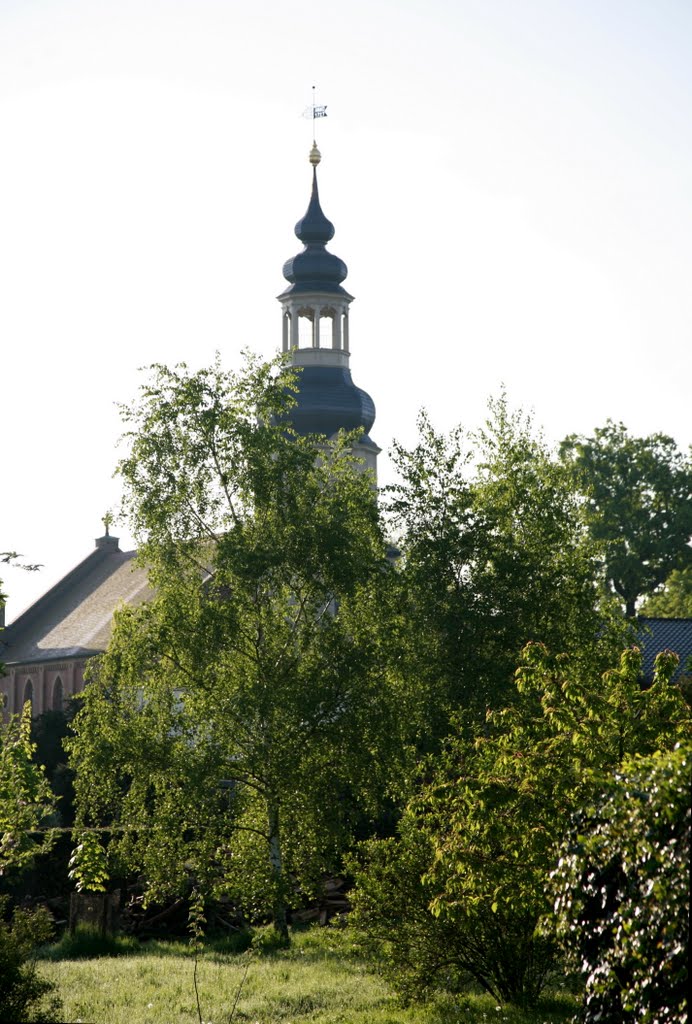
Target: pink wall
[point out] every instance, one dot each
(43, 678)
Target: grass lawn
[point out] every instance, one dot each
(321, 979)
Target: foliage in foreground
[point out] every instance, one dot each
(240, 720)
(462, 891)
(25, 996)
(26, 799)
(623, 892)
(320, 979)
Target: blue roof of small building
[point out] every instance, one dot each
(656, 635)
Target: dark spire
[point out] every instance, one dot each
(314, 226)
(315, 269)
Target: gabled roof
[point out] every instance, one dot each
(657, 635)
(73, 619)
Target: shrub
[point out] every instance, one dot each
(623, 891)
(422, 952)
(24, 996)
(86, 942)
(269, 940)
(468, 874)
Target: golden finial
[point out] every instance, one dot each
(315, 155)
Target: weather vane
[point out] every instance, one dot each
(313, 112)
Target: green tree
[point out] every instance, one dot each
(26, 800)
(637, 506)
(623, 892)
(493, 556)
(674, 601)
(479, 839)
(239, 719)
(25, 803)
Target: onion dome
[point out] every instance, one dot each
(314, 269)
(329, 401)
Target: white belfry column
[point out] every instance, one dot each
(336, 329)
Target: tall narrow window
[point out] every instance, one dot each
(29, 693)
(58, 695)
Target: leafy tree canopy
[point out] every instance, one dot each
(239, 719)
(674, 601)
(623, 892)
(26, 801)
(637, 506)
(493, 557)
(477, 842)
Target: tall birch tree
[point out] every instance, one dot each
(240, 719)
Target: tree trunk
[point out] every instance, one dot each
(275, 859)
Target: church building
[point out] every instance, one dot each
(46, 649)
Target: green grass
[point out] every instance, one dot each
(320, 980)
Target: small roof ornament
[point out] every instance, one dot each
(108, 542)
(315, 155)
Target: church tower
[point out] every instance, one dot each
(316, 334)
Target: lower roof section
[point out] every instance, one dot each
(73, 619)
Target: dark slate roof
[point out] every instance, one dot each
(314, 269)
(657, 635)
(328, 401)
(314, 226)
(73, 619)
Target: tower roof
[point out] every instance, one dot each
(314, 269)
(314, 226)
(328, 401)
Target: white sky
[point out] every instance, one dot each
(510, 181)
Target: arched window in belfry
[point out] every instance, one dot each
(58, 695)
(28, 693)
(327, 316)
(306, 329)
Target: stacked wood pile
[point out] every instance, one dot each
(331, 903)
(169, 919)
(156, 920)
